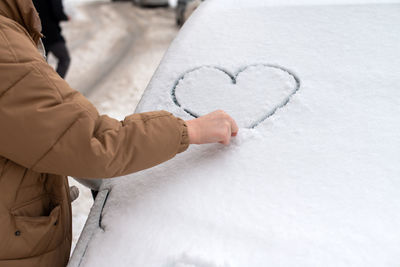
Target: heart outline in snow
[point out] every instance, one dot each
(233, 78)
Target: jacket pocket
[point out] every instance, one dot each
(38, 227)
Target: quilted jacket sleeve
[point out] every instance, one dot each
(49, 127)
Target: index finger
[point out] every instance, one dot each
(234, 126)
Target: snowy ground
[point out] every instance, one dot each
(115, 49)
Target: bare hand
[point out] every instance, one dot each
(214, 127)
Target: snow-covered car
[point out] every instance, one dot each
(312, 179)
(150, 2)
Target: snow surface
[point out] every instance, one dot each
(249, 96)
(315, 184)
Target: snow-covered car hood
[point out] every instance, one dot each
(312, 177)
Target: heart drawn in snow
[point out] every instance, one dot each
(250, 96)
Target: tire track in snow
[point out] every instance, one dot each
(135, 21)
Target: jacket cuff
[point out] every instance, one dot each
(185, 136)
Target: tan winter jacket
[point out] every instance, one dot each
(49, 131)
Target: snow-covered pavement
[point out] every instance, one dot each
(115, 49)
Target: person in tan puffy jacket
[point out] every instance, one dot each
(49, 131)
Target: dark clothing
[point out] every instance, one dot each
(60, 51)
(51, 13)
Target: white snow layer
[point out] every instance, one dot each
(314, 184)
(250, 96)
